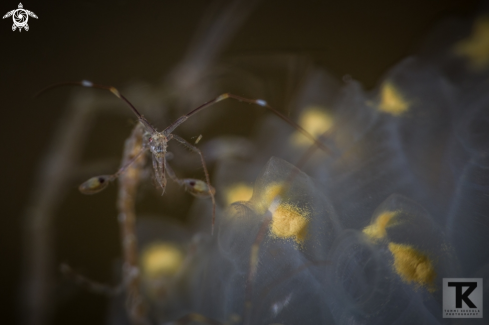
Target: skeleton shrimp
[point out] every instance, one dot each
(157, 143)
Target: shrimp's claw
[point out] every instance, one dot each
(198, 188)
(95, 184)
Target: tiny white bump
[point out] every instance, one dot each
(261, 102)
(275, 204)
(86, 83)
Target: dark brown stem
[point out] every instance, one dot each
(128, 183)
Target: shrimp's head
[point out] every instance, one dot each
(158, 143)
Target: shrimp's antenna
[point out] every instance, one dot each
(113, 90)
(259, 102)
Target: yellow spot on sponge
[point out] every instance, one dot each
(377, 229)
(315, 121)
(476, 47)
(413, 266)
(238, 192)
(290, 222)
(161, 259)
(391, 100)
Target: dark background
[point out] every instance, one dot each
(116, 42)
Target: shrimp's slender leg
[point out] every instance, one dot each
(172, 174)
(197, 151)
(196, 187)
(129, 163)
(88, 283)
(99, 183)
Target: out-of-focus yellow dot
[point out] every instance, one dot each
(161, 259)
(476, 47)
(377, 229)
(291, 222)
(314, 120)
(234, 319)
(391, 100)
(194, 317)
(413, 266)
(238, 192)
